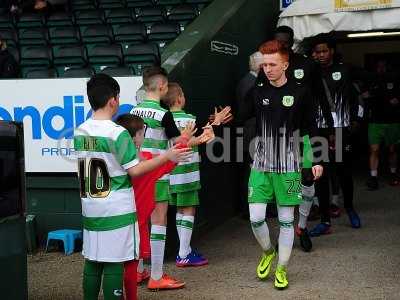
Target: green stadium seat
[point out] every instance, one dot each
(58, 19)
(83, 5)
(108, 4)
(139, 3)
(96, 34)
(67, 56)
(150, 15)
(102, 56)
(41, 73)
(6, 21)
(78, 73)
(33, 57)
(168, 4)
(201, 4)
(163, 34)
(14, 52)
(118, 16)
(118, 71)
(29, 20)
(10, 36)
(64, 36)
(139, 56)
(129, 33)
(32, 36)
(89, 17)
(183, 14)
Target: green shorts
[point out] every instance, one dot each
(183, 199)
(284, 187)
(387, 133)
(162, 191)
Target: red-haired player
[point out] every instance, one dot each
(284, 116)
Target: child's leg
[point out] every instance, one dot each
(157, 239)
(130, 279)
(186, 230)
(92, 272)
(113, 281)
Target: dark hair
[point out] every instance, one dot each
(100, 89)
(285, 29)
(324, 39)
(151, 73)
(131, 123)
(174, 91)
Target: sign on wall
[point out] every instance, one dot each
(352, 5)
(286, 3)
(50, 109)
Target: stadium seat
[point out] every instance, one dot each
(118, 16)
(57, 19)
(77, 5)
(33, 57)
(96, 34)
(201, 4)
(32, 36)
(89, 17)
(41, 73)
(150, 15)
(129, 33)
(162, 34)
(77, 73)
(102, 56)
(67, 56)
(107, 4)
(139, 3)
(183, 14)
(14, 52)
(118, 71)
(29, 20)
(64, 36)
(6, 21)
(10, 36)
(139, 56)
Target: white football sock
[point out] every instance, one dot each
(157, 243)
(259, 226)
(286, 233)
(186, 235)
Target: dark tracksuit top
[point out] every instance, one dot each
(283, 115)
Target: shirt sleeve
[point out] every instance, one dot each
(246, 108)
(170, 127)
(125, 151)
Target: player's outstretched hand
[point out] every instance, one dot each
(222, 115)
(189, 130)
(317, 171)
(177, 153)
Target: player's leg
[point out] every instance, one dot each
(260, 193)
(308, 192)
(92, 275)
(392, 139)
(375, 137)
(144, 249)
(159, 280)
(288, 191)
(186, 203)
(130, 280)
(113, 281)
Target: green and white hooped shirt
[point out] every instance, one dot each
(155, 139)
(186, 175)
(105, 151)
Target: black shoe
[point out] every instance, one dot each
(372, 183)
(305, 241)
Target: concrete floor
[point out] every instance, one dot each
(349, 264)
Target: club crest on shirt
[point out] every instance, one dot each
(287, 101)
(390, 85)
(336, 76)
(299, 73)
(265, 101)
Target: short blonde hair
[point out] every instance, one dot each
(174, 91)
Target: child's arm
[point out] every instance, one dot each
(174, 154)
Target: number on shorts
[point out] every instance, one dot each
(94, 178)
(294, 186)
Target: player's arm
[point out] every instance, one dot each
(246, 109)
(174, 154)
(308, 129)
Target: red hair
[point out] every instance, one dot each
(275, 46)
